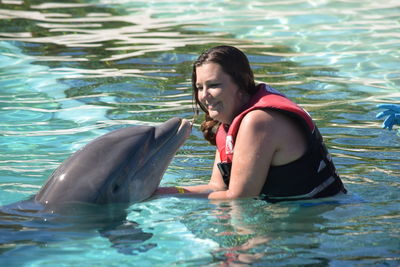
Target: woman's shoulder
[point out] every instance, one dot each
(276, 131)
(264, 118)
(276, 124)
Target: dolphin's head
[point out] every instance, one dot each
(123, 166)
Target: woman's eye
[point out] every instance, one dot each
(214, 85)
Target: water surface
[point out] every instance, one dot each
(70, 72)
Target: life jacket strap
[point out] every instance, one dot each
(225, 170)
(320, 188)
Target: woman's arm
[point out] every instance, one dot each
(216, 184)
(254, 149)
(265, 138)
(255, 145)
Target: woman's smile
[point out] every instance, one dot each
(213, 106)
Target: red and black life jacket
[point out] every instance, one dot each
(313, 175)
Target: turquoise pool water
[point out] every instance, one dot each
(72, 71)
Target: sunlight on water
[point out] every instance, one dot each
(70, 72)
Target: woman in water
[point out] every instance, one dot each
(267, 146)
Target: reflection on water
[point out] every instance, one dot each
(72, 71)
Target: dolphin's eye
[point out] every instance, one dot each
(115, 188)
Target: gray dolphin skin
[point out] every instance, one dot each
(123, 166)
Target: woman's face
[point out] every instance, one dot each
(218, 93)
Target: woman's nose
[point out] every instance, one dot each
(203, 94)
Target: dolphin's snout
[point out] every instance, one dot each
(186, 125)
(176, 128)
(191, 121)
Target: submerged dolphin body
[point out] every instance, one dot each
(123, 166)
(93, 188)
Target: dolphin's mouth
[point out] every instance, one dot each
(185, 127)
(174, 130)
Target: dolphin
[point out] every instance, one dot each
(92, 189)
(123, 166)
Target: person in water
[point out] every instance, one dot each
(267, 146)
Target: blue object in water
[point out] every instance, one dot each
(393, 115)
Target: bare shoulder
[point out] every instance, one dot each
(277, 130)
(260, 127)
(260, 119)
